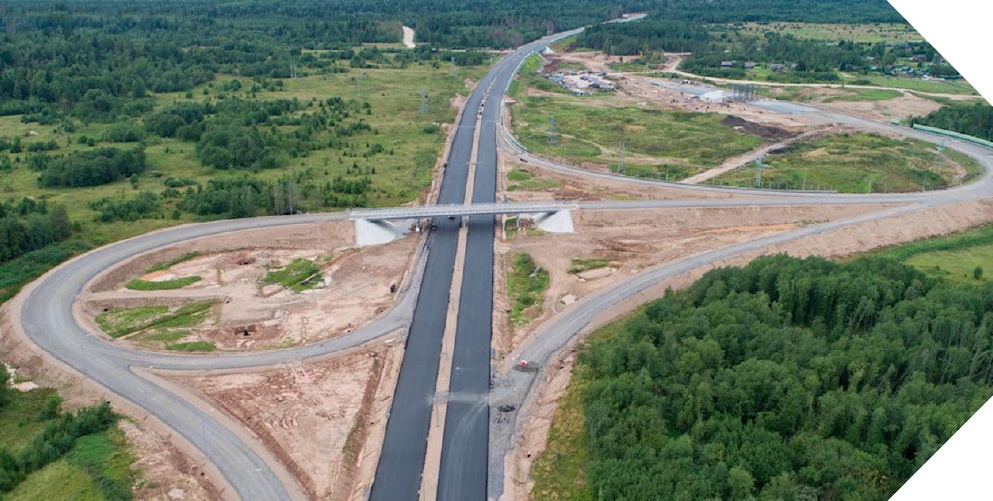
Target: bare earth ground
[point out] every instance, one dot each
(637, 87)
(842, 242)
(355, 288)
(319, 418)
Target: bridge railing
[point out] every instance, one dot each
(426, 211)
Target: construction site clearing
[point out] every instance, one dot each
(246, 308)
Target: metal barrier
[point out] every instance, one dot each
(953, 134)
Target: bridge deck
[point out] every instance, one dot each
(484, 209)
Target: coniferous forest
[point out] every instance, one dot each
(787, 379)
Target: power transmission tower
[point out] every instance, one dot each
(293, 68)
(424, 102)
(358, 86)
(759, 165)
(552, 138)
(451, 72)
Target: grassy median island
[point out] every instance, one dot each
(162, 285)
(782, 377)
(580, 265)
(298, 276)
(856, 163)
(526, 286)
(153, 323)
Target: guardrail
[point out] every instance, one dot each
(953, 134)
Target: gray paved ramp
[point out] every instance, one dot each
(784, 108)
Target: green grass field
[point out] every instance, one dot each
(591, 130)
(17, 424)
(59, 481)
(75, 476)
(859, 95)
(297, 276)
(933, 86)
(153, 322)
(850, 163)
(580, 265)
(411, 138)
(521, 179)
(954, 257)
(193, 346)
(162, 285)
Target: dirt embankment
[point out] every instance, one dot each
(324, 419)
(630, 241)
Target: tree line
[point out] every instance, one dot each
(805, 60)
(30, 225)
(787, 379)
(972, 119)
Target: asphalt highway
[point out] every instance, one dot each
(401, 463)
(465, 447)
(47, 318)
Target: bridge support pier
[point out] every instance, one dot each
(369, 232)
(555, 222)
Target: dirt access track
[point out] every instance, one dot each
(357, 285)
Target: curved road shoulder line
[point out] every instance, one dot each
(45, 311)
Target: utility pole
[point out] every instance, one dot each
(939, 158)
(620, 159)
(424, 102)
(804, 180)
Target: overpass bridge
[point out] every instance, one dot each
(376, 226)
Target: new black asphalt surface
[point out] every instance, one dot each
(465, 447)
(466, 441)
(401, 463)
